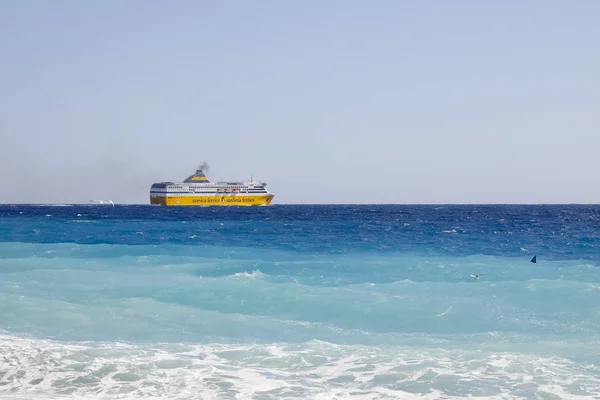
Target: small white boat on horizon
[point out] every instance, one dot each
(102, 202)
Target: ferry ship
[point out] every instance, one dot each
(197, 190)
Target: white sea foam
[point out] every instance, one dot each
(254, 274)
(444, 312)
(43, 369)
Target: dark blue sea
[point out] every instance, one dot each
(300, 302)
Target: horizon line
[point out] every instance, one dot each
(307, 204)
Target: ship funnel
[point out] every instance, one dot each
(197, 177)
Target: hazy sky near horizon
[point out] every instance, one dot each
(333, 101)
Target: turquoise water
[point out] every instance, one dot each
(317, 302)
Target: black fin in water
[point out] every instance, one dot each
(534, 259)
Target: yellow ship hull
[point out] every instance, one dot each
(212, 200)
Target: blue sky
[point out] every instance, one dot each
(328, 101)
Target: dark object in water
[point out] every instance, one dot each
(534, 259)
